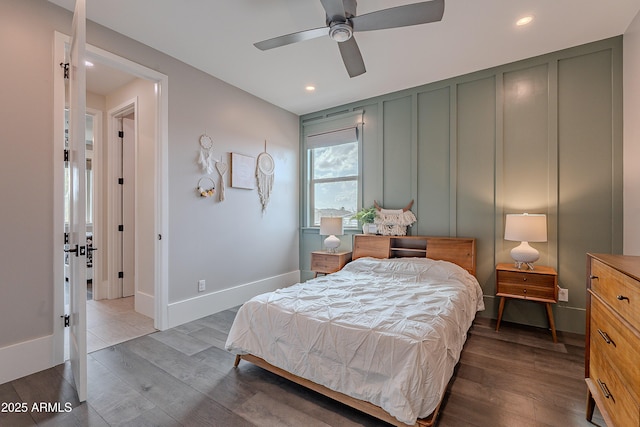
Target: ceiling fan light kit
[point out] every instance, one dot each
(340, 32)
(342, 22)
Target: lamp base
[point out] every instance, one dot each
(525, 254)
(331, 243)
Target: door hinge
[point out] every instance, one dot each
(66, 318)
(121, 227)
(120, 134)
(65, 67)
(66, 155)
(120, 274)
(66, 238)
(121, 181)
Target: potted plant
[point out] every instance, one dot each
(365, 217)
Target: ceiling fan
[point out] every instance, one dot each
(342, 22)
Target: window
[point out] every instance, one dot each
(333, 175)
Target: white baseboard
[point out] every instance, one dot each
(145, 304)
(195, 308)
(25, 358)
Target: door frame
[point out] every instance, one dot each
(161, 287)
(114, 290)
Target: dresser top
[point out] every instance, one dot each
(627, 264)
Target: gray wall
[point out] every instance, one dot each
(228, 244)
(541, 136)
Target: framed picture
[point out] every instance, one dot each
(243, 171)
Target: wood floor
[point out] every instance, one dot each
(111, 322)
(184, 377)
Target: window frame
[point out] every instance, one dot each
(326, 126)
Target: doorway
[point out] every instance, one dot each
(155, 295)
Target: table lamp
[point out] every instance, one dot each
(525, 228)
(330, 226)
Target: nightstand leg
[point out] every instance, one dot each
(551, 322)
(500, 310)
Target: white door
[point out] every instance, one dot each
(77, 213)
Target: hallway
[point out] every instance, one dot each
(111, 322)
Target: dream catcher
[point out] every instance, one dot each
(265, 167)
(393, 222)
(205, 159)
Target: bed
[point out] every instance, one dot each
(382, 335)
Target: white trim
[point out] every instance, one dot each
(27, 357)
(195, 308)
(96, 222)
(144, 304)
(114, 159)
(57, 345)
(161, 318)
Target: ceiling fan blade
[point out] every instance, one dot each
(334, 9)
(352, 57)
(401, 16)
(292, 38)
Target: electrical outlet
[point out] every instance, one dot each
(201, 285)
(563, 294)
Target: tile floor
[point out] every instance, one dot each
(111, 322)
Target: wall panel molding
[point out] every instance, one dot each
(542, 135)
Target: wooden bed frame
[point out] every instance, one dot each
(460, 251)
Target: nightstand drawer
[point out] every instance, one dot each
(526, 284)
(525, 290)
(325, 262)
(525, 278)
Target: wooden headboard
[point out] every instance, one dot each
(458, 250)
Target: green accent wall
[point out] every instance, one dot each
(542, 135)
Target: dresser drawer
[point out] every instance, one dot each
(620, 291)
(618, 403)
(527, 285)
(617, 343)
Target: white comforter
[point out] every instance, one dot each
(386, 331)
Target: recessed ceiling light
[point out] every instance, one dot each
(310, 88)
(88, 63)
(524, 20)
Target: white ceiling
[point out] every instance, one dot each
(217, 37)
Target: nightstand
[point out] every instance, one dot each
(326, 262)
(538, 285)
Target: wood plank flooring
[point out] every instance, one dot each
(184, 377)
(111, 322)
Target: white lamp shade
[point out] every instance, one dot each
(331, 226)
(526, 227)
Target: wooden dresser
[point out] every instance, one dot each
(612, 354)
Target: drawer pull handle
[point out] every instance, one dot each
(593, 276)
(622, 298)
(604, 336)
(604, 388)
